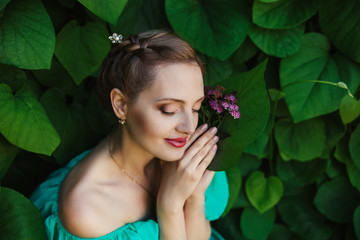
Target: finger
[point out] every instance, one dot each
(207, 159)
(200, 142)
(202, 153)
(200, 130)
(206, 179)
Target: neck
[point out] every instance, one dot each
(137, 162)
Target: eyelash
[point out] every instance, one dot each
(172, 113)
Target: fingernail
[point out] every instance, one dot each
(215, 139)
(213, 130)
(204, 126)
(214, 148)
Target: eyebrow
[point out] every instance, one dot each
(177, 100)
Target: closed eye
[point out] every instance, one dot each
(166, 113)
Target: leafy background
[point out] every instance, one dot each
(296, 159)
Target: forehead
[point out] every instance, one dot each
(181, 81)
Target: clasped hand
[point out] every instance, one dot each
(188, 177)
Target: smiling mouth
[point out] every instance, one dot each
(176, 142)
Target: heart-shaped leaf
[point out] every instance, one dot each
(283, 13)
(108, 10)
(19, 218)
(349, 109)
(277, 42)
(216, 28)
(306, 99)
(24, 122)
(339, 21)
(262, 228)
(81, 49)
(301, 141)
(263, 193)
(27, 37)
(254, 109)
(337, 200)
(354, 144)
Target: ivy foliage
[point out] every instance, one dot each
(293, 159)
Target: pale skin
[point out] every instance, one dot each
(96, 198)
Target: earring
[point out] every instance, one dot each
(122, 121)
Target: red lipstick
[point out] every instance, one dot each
(176, 142)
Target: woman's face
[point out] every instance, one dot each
(165, 114)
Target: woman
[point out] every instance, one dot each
(148, 178)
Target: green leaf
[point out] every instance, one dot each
(277, 42)
(141, 15)
(27, 37)
(216, 28)
(354, 144)
(300, 173)
(339, 21)
(263, 193)
(303, 219)
(69, 121)
(255, 225)
(284, 13)
(24, 122)
(3, 4)
(349, 109)
(306, 99)
(7, 155)
(81, 49)
(302, 141)
(19, 218)
(357, 221)
(353, 174)
(254, 109)
(234, 179)
(108, 10)
(337, 200)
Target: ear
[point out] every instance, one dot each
(119, 103)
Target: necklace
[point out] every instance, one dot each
(125, 173)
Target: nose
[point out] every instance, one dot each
(187, 123)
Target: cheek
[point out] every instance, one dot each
(146, 125)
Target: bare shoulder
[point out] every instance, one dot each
(86, 212)
(88, 207)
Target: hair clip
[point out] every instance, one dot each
(116, 38)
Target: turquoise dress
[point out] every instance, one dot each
(45, 198)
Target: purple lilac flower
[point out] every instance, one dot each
(218, 102)
(226, 105)
(235, 114)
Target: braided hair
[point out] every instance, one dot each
(131, 66)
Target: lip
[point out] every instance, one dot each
(176, 142)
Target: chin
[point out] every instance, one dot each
(172, 155)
